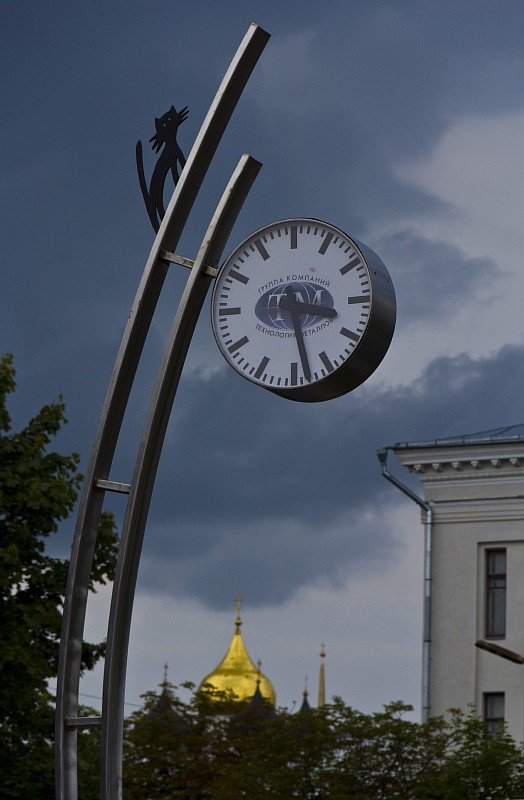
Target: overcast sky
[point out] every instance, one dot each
(401, 122)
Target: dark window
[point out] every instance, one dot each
(494, 711)
(495, 593)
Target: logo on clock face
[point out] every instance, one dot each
(269, 311)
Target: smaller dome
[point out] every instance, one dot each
(237, 673)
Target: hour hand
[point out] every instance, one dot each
(308, 308)
(319, 311)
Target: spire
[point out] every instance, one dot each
(305, 702)
(237, 672)
(322, 678)
(165, 698)
(238, 620)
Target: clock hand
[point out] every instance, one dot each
(292, 308)
(310, 308)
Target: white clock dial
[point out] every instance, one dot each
(293, 305)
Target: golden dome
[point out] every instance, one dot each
(237, 673)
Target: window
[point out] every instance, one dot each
(496, 593)
(494, 711)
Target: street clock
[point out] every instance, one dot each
(304, 310)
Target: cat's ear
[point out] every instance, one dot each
(157, 120)
(173, 109)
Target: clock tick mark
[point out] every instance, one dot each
(261, 367)
(261, 249)
(350, 334)
(325, 360)
(293, 242)
(237, 276)
(325, 244)
(225, 312)
(238, 344)
(349, 266)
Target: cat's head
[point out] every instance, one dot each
(167, 126)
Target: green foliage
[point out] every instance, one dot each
(38, 488)
(185, 750)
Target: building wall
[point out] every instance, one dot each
(477, 497)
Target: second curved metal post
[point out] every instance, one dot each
(146, 468)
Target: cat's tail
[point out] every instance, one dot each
(150, 206)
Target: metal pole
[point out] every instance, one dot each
(116, 400)
(146, 468)
(382, 456)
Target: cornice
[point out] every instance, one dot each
(492, 462)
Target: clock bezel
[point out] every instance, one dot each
(369, 350)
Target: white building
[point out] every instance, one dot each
(474, 574)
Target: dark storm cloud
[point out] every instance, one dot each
(343, 93)
(374, 83)
(274, 495)
(432, 279)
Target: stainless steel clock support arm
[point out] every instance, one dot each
(145, 472)
(382, 456)
(115, 403)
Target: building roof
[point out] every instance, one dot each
(508, 433)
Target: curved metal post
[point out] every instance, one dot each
(146, 468)
(116, 399)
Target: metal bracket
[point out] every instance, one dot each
(112, 486)
(165, 255)
(83, 722)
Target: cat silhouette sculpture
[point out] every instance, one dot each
(166, 132)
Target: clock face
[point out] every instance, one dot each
(303, 310)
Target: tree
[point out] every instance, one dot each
(170, 747)
(183, 750)
(38, 488)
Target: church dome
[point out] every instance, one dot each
(237, 673)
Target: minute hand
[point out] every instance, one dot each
(291, 304)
